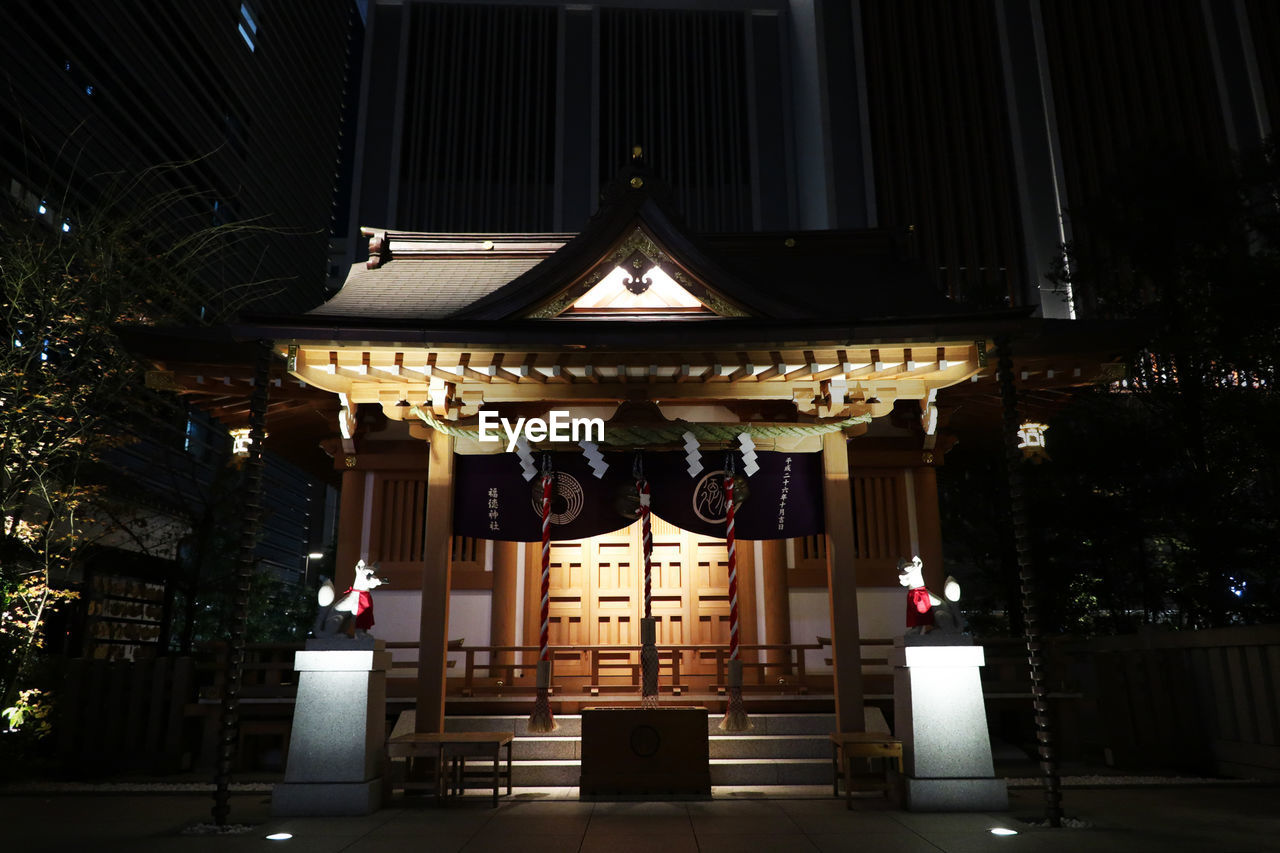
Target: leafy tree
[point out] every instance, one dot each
(1160, 502)
(1190, 249)
(68, 387)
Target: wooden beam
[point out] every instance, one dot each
(597, 388)
(529, 370)
(468, 372)
(838, 370)
(794, 375)
(558, 373)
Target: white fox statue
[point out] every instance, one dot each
(355, 605)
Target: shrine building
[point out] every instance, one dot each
(808, 363)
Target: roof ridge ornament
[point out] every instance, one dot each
(379, 248)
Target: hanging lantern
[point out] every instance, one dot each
(1031, 441)
(240, 441)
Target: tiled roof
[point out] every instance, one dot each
(421, 288)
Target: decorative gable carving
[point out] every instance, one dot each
(637, 276)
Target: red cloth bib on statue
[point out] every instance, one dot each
(364, 609)
(919, 607)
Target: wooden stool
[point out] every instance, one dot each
(846, 746)
(448, 753)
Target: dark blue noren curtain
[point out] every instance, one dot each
(492, 500)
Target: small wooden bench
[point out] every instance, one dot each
(846, 746)
(448, 753)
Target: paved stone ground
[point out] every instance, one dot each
(1203, 819)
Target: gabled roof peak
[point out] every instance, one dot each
(846, 276)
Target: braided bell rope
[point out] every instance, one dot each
(544, 653)
(735, 717)
(730, 544)
(541, 720)
(649, 654)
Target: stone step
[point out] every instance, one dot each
(546, 748)
(570, 725)
(770, 746)
(545, 774)
(534, 748)
(724, 771)
(765, 771)
(780, 749)
(786, 724)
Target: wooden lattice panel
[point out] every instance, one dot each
(397, 534)
(881, 527)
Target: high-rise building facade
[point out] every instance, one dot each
(975, 123)
(247, 94)
(235, 108)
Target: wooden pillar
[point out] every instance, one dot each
(433, 635)
(929, 525)
(502, 616)
(775, 597)
(846, 651)
(350, 525)
(532, 604)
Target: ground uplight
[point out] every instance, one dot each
(283, 836)
(1003, 830)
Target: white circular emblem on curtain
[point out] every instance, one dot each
(566, 497)
(708, 498)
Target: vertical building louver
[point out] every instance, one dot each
(940, 138)
(1264, 22)
(675, 83)
(1132, 82)
(479, 119)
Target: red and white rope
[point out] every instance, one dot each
(546, 565)
(733, 565)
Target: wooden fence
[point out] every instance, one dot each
(1201, 701)
(124, 715)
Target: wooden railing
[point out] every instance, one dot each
(591, 669)
(602, 669)
(785, 667)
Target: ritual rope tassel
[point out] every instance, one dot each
(649, 650)
(735, 715)
(541, 719)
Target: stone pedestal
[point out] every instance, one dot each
(940, 717)
(336, 749)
